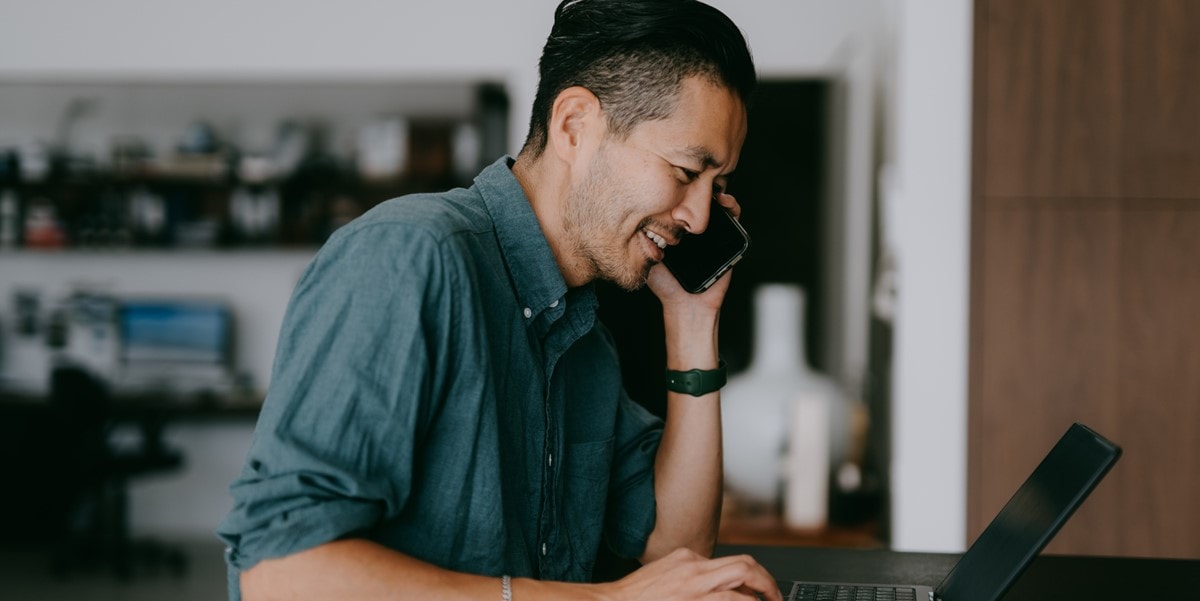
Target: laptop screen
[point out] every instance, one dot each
(1031, 518)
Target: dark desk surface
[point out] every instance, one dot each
(40, 444)
(144, 406)
(1051, 577)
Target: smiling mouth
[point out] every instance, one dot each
(655, 237)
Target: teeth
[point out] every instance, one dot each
(655, 238)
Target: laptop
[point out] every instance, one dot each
(1008, 545)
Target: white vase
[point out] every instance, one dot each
(779, 416)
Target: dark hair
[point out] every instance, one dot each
(633, 55)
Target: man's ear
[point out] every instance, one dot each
(576, 122)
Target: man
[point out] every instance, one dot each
(446, 418)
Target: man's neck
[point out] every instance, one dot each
(546, 186)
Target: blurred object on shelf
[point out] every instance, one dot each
(342, 210)
(307, 193)
(105, 224)
(33, 161)
(383, 148)
(10, 217)
(64, 132)
(210, 175)
(198, 168)
(199, 138)
(10, 202)
(492, 117)
(293, 144)
(89, 338)
(431, 154)
(27, 356)
(27, 310)
(43, 228)
(468, 149)
(254, 205)
(148, 217)
(197, 233)
(128, 156)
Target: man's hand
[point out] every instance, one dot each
(668, 290)
(684, 575)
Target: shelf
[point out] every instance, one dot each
(769, 529)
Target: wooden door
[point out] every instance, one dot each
(1085, 293)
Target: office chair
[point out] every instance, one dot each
(95, 532)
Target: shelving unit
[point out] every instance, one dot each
(228, 164)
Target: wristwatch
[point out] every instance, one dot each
(697, 382)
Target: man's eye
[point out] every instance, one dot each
(688, 175)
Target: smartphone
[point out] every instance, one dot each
(700, 260)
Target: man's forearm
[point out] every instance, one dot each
(363, 570)
(687, 469)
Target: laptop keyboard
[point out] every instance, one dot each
(848, 592)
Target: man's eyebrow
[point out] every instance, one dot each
(700, 155)
(704, 157)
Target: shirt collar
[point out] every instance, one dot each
(531, 264)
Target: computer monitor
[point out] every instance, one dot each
(187, 331)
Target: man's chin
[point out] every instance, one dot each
(632, 281)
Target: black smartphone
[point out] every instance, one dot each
(700, 260)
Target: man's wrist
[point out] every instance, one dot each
(697, 382)
(692, 344)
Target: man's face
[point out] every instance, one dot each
(643, 192)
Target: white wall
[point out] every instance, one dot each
(281, 40)
(928, 201)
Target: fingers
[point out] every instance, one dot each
(686, 575)
(730, 203)
(740, 572)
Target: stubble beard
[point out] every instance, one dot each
(592, 224)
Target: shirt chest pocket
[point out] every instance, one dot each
(585, 477)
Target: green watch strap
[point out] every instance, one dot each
(697, 382)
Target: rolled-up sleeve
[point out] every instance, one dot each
(351, 393)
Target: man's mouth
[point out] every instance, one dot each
(655, 237)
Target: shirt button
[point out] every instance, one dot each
(543, 549)
(550, 459)
(528, 312)
(554, 304)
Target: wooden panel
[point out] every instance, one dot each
(1048, 321)
(1054, 70)
(1160, 134)
(1158, 383)
(1089, 312)
(1091, 98)
(1085, 289)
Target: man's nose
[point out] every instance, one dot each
(694, 211)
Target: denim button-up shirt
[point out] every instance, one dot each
(439, 390)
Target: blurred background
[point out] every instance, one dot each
(973, 223)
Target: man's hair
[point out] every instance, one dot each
(633, 55)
